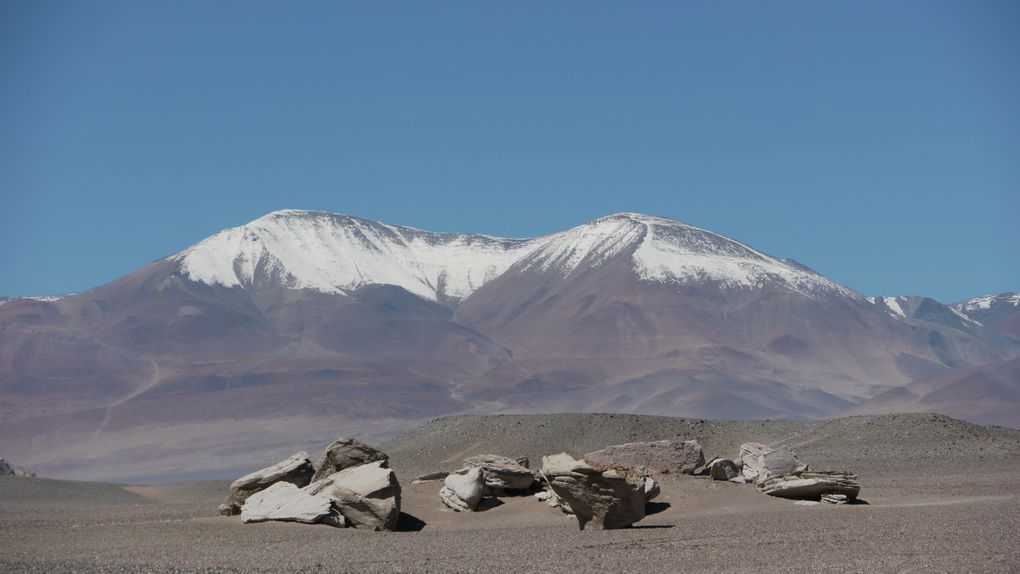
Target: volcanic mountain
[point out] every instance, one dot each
(309, 324)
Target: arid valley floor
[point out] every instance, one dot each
(941, 496)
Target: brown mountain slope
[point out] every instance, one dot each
(989, 394)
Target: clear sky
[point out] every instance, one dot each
(877, 142)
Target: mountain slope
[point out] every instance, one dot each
(989, 394)
(301, 326)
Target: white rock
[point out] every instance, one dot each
(286, 502)
(462, 490)
(367, 495)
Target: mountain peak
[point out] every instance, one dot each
(337, 253)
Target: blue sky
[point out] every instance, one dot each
(877, 142)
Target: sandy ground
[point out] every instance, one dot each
(955, 514)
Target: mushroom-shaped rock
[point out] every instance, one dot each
(344, 453)
(462, 490)
(285, 502)
(813, 485)
(762, 463)
(662, 456)
(296, 470)
(367, 495)
(501, 473)
(603, 499)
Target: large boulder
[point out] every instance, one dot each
(285, 502)
(662, 456)
(367, 495)
(602, 498)
(813, 485)
(761, 463)
(462, 490)
(297, 470)
(345, 453)
(501, 473)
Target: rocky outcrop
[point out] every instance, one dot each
(761, 463)
(297, 470)
(8, 469)
(601, 499)
(813, 485)
(345, 453)
(285, 502)
(501, 473)
(663, 456)
(367, 495)
(462, 490)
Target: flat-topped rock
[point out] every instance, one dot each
(285, 502)
(813, 485)
(662, 456)
(502, 473)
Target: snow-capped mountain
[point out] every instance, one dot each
(336, 254)
(1000, 313)
(307, 320)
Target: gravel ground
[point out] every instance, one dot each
(958, 512)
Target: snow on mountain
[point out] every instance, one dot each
(986, 302)
(335, 253)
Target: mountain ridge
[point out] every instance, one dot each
(225, 348)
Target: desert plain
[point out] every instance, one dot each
(940, 496)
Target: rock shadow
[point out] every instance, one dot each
(488, 503)
(655, 507)
(408, 523)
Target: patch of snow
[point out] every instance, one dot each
(986, 302)
(894, 305)
(963, 316)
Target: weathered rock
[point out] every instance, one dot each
(761, 463)
(663, 456)
(835, 498)
(723, 469)
(368, 495)
(462, 490)
(603, 499)
(501, 473)
(430, 477)
(296, 470)
(285, 502)
(813, 485)
(344, 453)
(651, 488)
(8, 469)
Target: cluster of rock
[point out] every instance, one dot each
(606, 489)
(778, 472)
(8, 469)
(350, 485)
(486, 475)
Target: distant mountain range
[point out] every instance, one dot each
(310, 324)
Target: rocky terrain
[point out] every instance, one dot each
(940, 493)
